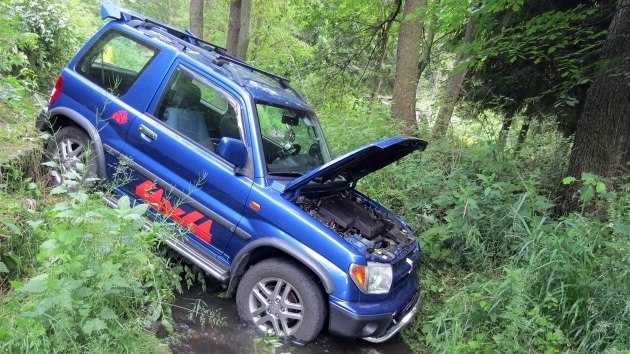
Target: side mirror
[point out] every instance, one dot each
(233, 150)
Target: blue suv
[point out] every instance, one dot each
(236, 158)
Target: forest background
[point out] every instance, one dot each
(521, 202)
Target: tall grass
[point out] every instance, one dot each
(500, 273)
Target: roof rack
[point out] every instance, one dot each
(188, 39)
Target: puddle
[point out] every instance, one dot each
(233, 337)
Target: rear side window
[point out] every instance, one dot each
(115, 62)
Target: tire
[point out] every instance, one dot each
(279, 297)
(72, 150)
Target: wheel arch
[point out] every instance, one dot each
(60, 117)
(269, 247)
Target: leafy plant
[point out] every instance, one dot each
(98, 283)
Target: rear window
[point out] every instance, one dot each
(115, 62)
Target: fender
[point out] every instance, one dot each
(242, 258)
(43, 121)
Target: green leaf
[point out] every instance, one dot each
(3, 268)
(622, 228)
(600, 187)
(587, 194)
(124, 203)
(36, 285)
(92, 325)
(588, 177)
(11, 260)
(60, 189)
(139, 209)
(12, 227)
(108, 314)
(568, 180)
(157, 312)
(67, 237)
(168, 326)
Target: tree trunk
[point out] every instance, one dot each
(453, 86)
(522, 134)
(381, 49)
(602, 135)
(407, 56)
(196, 18)
(238, 28)
(258, 38)
(234, 27)
(505, 128)
(243, 34)
(425, 58)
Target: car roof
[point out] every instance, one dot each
(262, 85)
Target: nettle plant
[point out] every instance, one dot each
(99, 283)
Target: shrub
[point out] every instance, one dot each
(97, 285)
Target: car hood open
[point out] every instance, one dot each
(360, 162)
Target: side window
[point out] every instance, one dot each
(115, 62)
(198, 110)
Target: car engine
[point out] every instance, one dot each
(369, 230)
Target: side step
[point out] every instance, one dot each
(193, 254)
(189, 251)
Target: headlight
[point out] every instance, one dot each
(375, 278)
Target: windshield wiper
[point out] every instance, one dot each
(286, 173)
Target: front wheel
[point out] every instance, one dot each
(279, 297)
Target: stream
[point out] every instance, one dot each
(234, 337)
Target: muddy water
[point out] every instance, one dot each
(233, 337)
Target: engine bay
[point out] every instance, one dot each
(371, 231)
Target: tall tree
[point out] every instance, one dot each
(196, 17)
(427, 46)
(602, 137)
(381, 48)
(238, 28)
(407, 58)
(454, 84)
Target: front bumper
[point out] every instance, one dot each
(372, 328)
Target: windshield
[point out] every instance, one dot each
(293, 142)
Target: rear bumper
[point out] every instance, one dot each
(374, 328)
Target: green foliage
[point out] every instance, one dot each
(96, 284)
(352, 122)
(499, 273)
(13, 62)
(48, 21)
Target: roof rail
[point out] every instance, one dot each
(187, 38)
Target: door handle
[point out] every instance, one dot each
(146, 132)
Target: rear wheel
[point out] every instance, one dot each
(279, 297)
(71, 150)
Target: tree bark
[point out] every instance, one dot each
(238, 28)
(407, 56)
(425, 58)
(243, 34)
(602, 137)
(196, 18)
(381, 49)
(505, 128)
(522, 134)
(234, 26)
(453, 86)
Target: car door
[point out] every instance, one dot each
(173, 165)
(114, 70)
